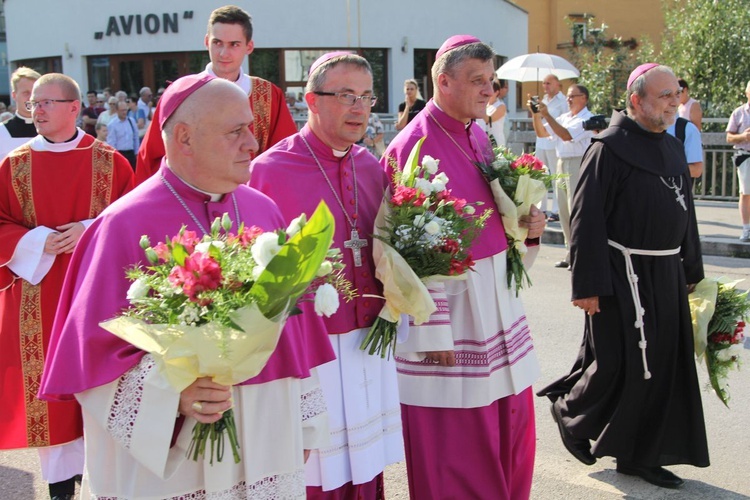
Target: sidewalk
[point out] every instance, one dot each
(718, 225)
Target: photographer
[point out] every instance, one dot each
(571, 140)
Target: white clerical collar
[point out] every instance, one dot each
(244, 82)
(213, 196)
(28, 120)
(340, 154)
(466, 125)
(39, 143)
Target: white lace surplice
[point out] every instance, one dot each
(128, 427)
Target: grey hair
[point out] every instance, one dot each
(447, 62)
(638, 87)
(318, 78)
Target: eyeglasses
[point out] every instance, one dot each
(44, 103)
(571, 96)
(351, 99)
(100, 102)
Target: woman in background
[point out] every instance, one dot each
(413, 104)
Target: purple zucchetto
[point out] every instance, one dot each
(454, 42)
(326, 57)
(178, 91)
(640, 70)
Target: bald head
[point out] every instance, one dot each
(551, 85)
(208, 139)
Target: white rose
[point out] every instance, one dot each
(325, 269)
(441, 177)
(203, 246)
(420, 220)
(265, 248)
(430, 164)
(326, 300)
(296, 225)
(424, 185)
(432, 228)
(730, 353)
(138, 289)
(437, 185)
(468, 209)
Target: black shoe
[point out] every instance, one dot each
(579, 448)
(553, 217)
(654, 475)
(563, 264)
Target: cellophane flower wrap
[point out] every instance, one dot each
(516, 183)
(422, 233)
(215, 306)
(720, 313)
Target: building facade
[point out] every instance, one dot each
(128, 45)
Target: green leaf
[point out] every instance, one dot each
(179, 254)
(412, 162)
(290, 272)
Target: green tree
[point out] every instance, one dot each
(707, 42)
(605, 64)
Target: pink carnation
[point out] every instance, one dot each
(162, 251)
(200, 273)
(188, 239)
(405, 195)
(527, 160)
(246, 237)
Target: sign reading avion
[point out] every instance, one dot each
(137, 24)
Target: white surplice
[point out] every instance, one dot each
(128, 426)
(361, 394)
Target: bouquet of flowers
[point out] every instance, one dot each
(719, 313)
(422, 233)
(516, 183)
(215, 306)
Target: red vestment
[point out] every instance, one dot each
(273, 122)
(43, 188)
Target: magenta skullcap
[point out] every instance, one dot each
(454, 42)
(180, 90)
(325, 58)
(640, 70)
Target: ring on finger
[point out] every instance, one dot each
(197, 406)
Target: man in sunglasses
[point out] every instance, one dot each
(571, 141)
(360, 389)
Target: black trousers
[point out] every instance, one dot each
(129, 155)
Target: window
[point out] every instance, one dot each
(289, 68)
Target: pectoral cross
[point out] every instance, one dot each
(355, 244)
(679, 197)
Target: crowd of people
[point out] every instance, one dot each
(79, 186)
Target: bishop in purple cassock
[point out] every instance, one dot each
(137, 427)
(465, 376)
(321, 162)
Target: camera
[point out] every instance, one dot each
(596, 122)
(535, 103)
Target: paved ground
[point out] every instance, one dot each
(556, 327)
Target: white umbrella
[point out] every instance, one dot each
(535, 67)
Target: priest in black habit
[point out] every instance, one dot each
(633, 392)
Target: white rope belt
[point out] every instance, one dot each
(633, 282)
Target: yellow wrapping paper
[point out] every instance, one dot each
(186, 353)
(404, 292)
(528, 192)
(702, 304)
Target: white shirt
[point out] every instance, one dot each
(580, 139)
(556, 107)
